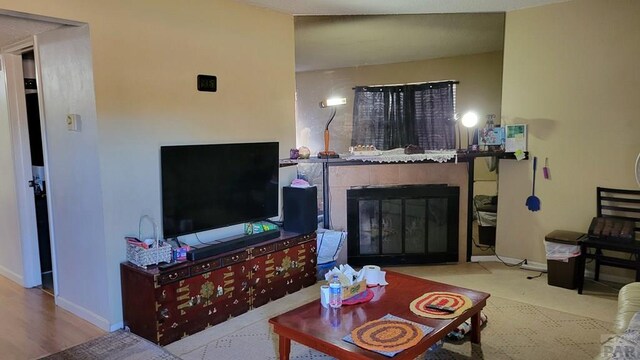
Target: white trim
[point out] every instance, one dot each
(22, 166)
(23, 15)
(116, 326)
(85, 314)
(588, 275)
(11, 275)
(18, 47)
(534, 266)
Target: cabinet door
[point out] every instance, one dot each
(262, 270)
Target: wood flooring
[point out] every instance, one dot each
(32, 326)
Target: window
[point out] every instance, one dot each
(395, 116)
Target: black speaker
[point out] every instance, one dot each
(300, 209)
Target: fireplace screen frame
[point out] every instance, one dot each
(403, 193)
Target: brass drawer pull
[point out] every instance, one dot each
(173, 276)
(206, 266)
(235, 258)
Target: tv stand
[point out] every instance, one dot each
(164, 305)
(230, 244)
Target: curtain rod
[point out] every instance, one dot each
(416, 83)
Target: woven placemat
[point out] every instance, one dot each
(388, 335)
(457, 301)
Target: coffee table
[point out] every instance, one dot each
(323, 329)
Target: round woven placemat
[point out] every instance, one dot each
(457, 301)
(386, 335)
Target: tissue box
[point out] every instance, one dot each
(353, 290)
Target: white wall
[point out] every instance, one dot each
(10, 257)
(571, 73)
(74, 188)
(146, 56)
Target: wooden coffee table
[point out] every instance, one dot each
(323, 329)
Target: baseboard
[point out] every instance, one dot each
(84, 313)
(12, 276)
(493, 258)
(534, 266)
(542, 267)
(588, 275)
(116, 326)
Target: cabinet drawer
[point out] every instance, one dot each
(172, 276)
(205, 266)
(263, 250)
(235, 258)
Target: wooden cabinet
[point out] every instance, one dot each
(164, 306)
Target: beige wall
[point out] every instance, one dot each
(341, 178)
(480, 90)
(571, 72)
(146, 55)
(480, 79)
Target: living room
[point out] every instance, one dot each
(555, 56)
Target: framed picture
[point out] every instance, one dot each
(491, 137)
(515, 138)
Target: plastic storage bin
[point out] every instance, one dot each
(563, 248)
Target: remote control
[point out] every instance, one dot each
(441, 307)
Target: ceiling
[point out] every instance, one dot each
(379, 7)
(330, 42)
(14, 29)
(451, 28)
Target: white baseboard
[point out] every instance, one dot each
(116, 326)
(542, 267)
(493, 258)
(85, 314)
(608, 277)
(12, 276)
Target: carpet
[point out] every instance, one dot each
(514, 330)
(118, 345)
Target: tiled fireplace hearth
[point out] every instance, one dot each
(410, 224)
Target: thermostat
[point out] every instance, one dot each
(207, 83)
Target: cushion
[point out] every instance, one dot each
(628, 305)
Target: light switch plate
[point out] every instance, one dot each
(73, 122)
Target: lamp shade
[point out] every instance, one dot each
(470, 119)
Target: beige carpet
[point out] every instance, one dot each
(118, 345)
(514, 330)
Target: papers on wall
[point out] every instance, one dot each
(515, 138)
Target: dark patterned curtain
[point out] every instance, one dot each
(389, 117)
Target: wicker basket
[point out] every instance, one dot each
(157, 253)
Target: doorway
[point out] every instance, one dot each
(38, 182)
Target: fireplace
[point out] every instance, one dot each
(398, 225)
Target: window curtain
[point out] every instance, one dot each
(390, 117)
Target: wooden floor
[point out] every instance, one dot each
(32, 326)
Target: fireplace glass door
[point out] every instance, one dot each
(402, 225)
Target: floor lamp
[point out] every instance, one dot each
(326, 153)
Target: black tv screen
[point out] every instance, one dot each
(212, 186)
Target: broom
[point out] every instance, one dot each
(533, 203)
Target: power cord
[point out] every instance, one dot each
(535, 277)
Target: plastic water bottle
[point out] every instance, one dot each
(335, 292)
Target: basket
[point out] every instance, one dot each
(157, 253)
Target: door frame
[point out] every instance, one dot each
(12, 63)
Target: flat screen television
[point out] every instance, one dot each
(206, 187)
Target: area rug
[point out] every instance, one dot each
(120, 345)
(514, 330)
